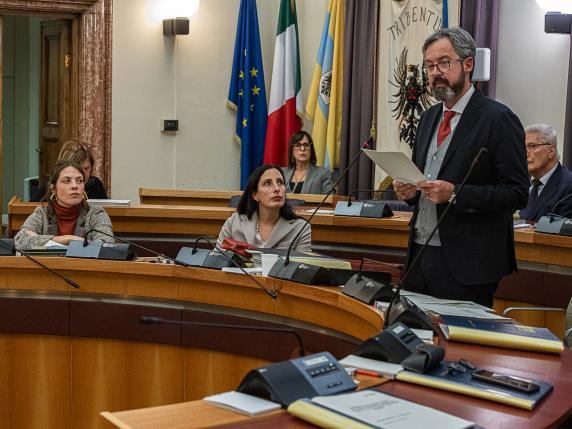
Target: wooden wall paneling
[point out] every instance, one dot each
(34, 382)
(210, 372)
(205, 286)
(117, 375)
(30, 278)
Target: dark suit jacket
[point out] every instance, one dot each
(558, 186)
(318, 180)
(477, 232)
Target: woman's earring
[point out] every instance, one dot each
(53, 196)
(85, 197)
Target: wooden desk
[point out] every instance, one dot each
(195, 197)
(550, 413)
(548, 283)
(67, 354)
(335, 230)
(203, 220)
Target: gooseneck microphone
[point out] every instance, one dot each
(35, 261)
(555, 206)
(269, 292)
(364, 145)
(415, 260)
(357, 191)
(131, 243)
(149, 320)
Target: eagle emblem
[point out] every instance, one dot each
(411, 99)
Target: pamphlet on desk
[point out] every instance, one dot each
(242, 403)
(507, 335)
(372, 409)
(109, 202)
(441, 377)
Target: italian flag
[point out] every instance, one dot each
(285, 105)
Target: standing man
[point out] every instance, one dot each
(550, 182)
(474, 245)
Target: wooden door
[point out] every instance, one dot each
(56, 91)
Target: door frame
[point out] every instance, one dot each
(93, 86)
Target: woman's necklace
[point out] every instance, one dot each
(299, 177)
(266, 231)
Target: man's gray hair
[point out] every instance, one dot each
(547, 134)
(461, 40)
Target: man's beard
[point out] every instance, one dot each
(446, 92)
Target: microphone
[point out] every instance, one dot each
(279, 270)
(374, 286)
(131, 243)
(364, 145)
(149, 320)
(555, 206)
(184, 264)
(409, 309)
(269, 292)
(35, 261)
(357, 191)
(554, 223)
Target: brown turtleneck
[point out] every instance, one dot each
(67, 218)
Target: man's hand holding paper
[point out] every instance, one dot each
(436, 191)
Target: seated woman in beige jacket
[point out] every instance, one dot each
(263, 219)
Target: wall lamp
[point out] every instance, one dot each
(176, 26)
(557, 22)
(182, 9)
(558, 15)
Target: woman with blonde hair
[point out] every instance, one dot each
(74, 150)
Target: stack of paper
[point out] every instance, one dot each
(449, 307)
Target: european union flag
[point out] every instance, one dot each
(247, 94)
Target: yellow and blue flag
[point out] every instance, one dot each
(324, 105)
(247, 93)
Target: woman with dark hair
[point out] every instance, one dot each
(262, 218)
(303, 176)
(67, 216)
(74, 150)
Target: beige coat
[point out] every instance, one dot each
(239, 227)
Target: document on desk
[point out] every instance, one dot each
(397, 165)
(375, 409)
(242, 403)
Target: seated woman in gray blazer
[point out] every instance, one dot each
(262, 218)
(303, 176)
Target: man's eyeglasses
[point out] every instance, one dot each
(533, 146)
(443, 66)
(301, 146)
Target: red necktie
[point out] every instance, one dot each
(445, 127)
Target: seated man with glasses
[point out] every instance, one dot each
(303, 176)
(550, 181)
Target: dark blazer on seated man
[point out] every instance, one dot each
(551, 182)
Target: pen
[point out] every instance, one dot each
(370, 373)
